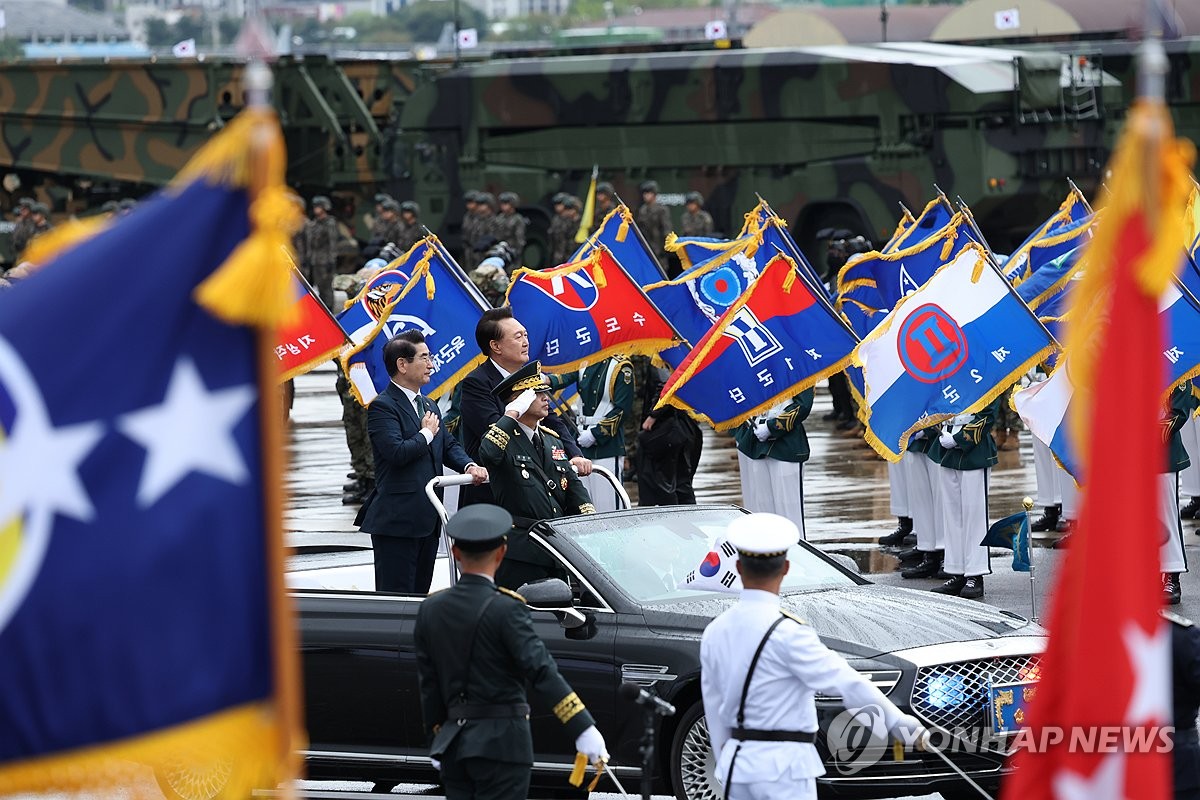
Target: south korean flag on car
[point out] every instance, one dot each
(717, 571)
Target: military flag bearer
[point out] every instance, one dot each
(772, 449)
(606, 401)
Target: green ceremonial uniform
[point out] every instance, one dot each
(976, 448)
(788, 440)
(476, 652)
(1182, 405)
(530, 484)
(606, 393)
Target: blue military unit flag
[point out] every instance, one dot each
(139, 515)
(620, 236)
(949, 348)
(773, 342)
(1011, 533)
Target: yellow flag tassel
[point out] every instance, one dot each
(253, 285)
(598, 275)
(626, 220)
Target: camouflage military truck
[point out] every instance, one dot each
(832, 136)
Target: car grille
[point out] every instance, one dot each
(956, 695)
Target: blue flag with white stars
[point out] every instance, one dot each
(133, 555)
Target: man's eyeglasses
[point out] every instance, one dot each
(426, 357)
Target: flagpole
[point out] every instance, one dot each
(633, 224)
(1081, 195)
(1027, 502)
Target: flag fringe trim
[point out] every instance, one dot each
(937, 201)
(1054, 288)
(53, 243)
(679, 248)
(743, 243)
(311, 364)
(1053, 241)
(946, 236)
(643, 347)
(241, 741)
(906, 221)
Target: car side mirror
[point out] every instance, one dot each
(553, 594)
(547, 594)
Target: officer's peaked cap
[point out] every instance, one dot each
(762, 535)
(480, 527)
(527, 377)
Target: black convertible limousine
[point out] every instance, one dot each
(614, 620)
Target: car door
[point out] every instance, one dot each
(360, 694)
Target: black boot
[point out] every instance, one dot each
(1047, 521)
(910, 556)
(1172, 593)
(356, 496)
(973, 588)
(353, 486)
(954, 586)
(896, 537)
(1191, 509)
(931, 562)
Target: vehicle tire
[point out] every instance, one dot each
(187, 782)
(692, 762)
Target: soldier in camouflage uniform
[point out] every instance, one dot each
(362, 463)
(410, 230)
(654, 221)
(488, 232)
(387, 228)
(321, 237)
(299, 238)
(510, 225)
(698, 222)
(568, 225)
(556, 232)
(23, 228)
(470, 230)
(39, 216)
(378, 223)
(606, 200)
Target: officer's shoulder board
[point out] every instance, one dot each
(549, 432)
(792, 616)
(1171, 616)
(511, 594)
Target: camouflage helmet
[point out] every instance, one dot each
(648, 186)
(491, 279)
(321, 201)
(488, 199)
(127, 203)
(694, 197)
(605, 188)
(559, 198)
(382, 198)
(39, 208)
(411, 207)
(390, 205)
(471, 196)
(110, 207)
(572, 202)
(25, 202)
(509, 197)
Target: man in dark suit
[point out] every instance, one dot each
(505, 343)
(475, 707)
(410, 448)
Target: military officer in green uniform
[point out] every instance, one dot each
(967, 455)
(530, 472)
(606, 398)
(475, 706)
(772, 449)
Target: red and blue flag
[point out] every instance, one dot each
(776, 340)
(619, 234)
(311, 337)
(586, 311)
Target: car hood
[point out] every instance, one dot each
(863, 621)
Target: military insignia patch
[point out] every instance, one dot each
(525, 474)
(563, 483)
(558, 454)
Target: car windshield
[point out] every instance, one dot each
(651, 556)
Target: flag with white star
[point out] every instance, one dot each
(135, 608)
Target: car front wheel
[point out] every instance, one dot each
(693, 765)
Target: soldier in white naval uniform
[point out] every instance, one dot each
(760, 668)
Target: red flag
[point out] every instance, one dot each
(1106, 671)
(311, 337)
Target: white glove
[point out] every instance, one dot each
(436, 764)
(521, 402)
(918, 435)
(762, 432)
(586, 439)
(947, 441)
(591, 744)
(908, 729)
